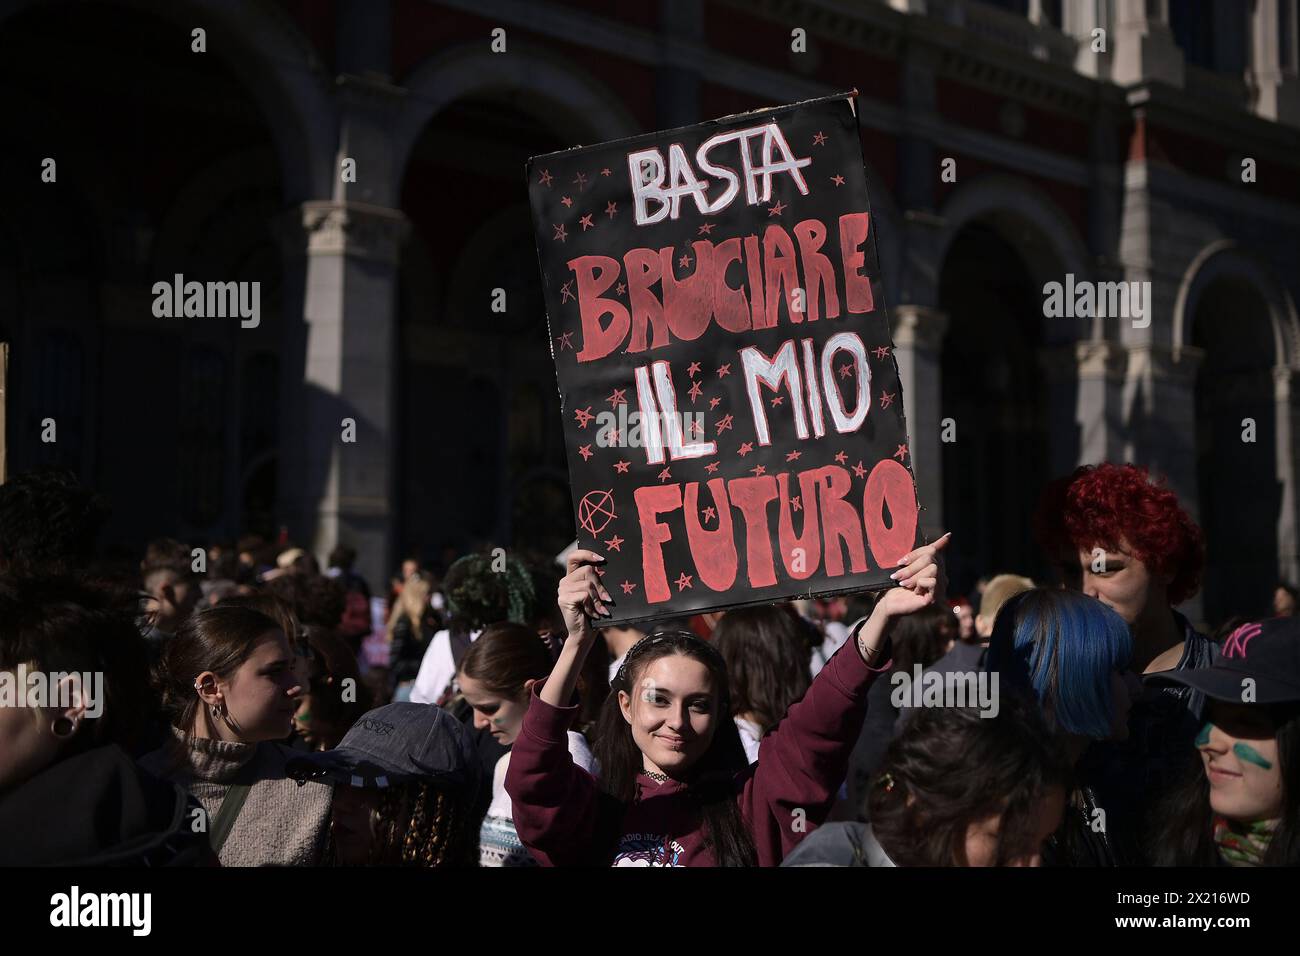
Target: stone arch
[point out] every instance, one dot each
(1228, 259)
(579, 106)
(279, 69)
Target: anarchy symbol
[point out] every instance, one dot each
(596, 506)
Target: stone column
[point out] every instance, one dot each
(333, 489)
(1144, 47)
(918, 345)
(1272, 71)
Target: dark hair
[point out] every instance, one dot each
(922, 637)
(342, 557)
(767, 661)
(504, 657)
(1182, 824)
(712, 783)
(48, 522)
(277, 609)
(332, 663)
(217, 639)
(77, 624)
(315, 599)
(418, 824)
(951, 767)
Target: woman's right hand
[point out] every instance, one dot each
(580, 594)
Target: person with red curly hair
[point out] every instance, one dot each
(1123, 538)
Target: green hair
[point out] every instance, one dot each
(479, 595)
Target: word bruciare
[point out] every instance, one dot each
(829, 519)
(768, 272)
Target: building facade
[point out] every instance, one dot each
(363, 163)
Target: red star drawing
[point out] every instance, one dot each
(693, 369)
(568, 203)
(759, 471)
(580, 182)
(545, 178)
(684, 262)
(846, 371)
(714, 402)
(628, 587)
(585, 451)
(613, 436)
(565, 341)
(607, 171)
(794, 456)
(796, 504)
(819, 139)
(842, 458)
(709, 513)
(560, 234)
(838, 180)
(745, 449)
(706, 229)
(859, 470)
(566, 293)
(620, 288)
(777, 400)
(724, 423)
(617, 397)
(615, 543)
(684, 581)
(610, 209)
(724, 370)
(621, 467)
(583, 416)
(886, 399)
(697, 428)
(586, 222)
(711, 467)
(665, 475)
(881, 352)
(775, 209)
(901, 453)
(694, 392)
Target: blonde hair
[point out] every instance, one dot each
(412, 601)
(1000, 590)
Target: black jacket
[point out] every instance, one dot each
(98, 808)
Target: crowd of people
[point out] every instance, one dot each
(240, 705)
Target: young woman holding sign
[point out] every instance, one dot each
(674, 788)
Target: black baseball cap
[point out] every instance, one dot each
(1266, 652)
(395, 744)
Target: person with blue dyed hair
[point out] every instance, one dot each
(1073, 654)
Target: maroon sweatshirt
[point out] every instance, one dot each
(564, 818)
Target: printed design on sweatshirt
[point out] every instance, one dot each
(648, 849)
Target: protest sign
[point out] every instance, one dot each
(733, 417)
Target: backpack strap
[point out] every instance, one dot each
(227, 815)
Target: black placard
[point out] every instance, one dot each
(724, 278)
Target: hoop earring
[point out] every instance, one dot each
(63, 727)
(216, 712)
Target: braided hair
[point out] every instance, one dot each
(418, 824)
(712, 784)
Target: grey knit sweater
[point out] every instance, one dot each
(281, 823)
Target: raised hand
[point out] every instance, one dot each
(921, 580)
(580, 594)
